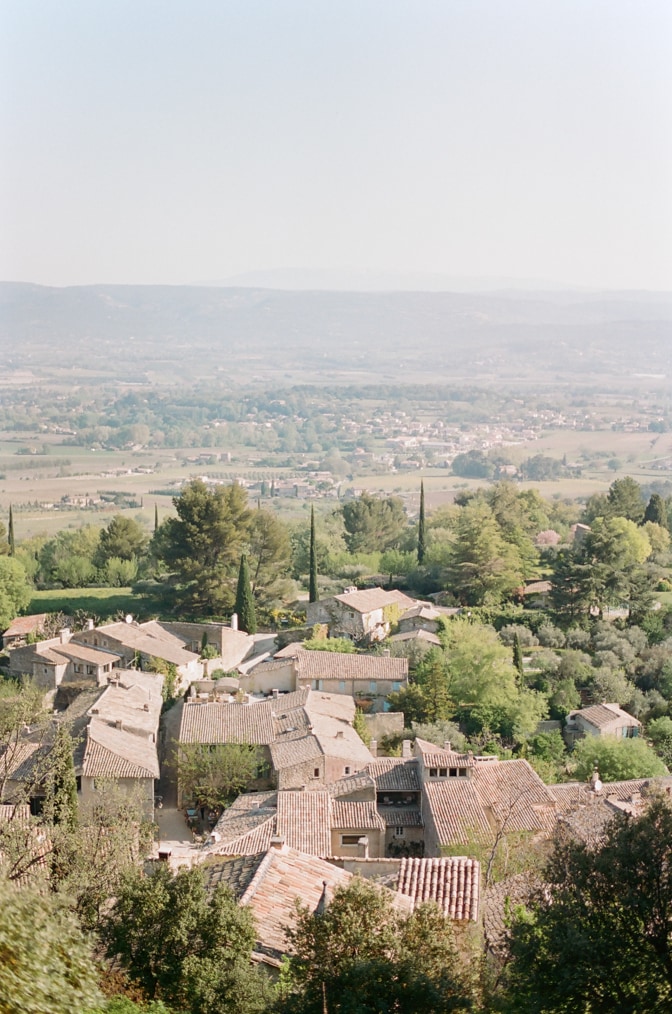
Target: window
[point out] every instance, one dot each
(373, 687)
(341, 686)
(316, 772)
(346, 771)
(398, 832)
(90, 670)
(79, 783)
(462, 772)
(396, 687)
(443, 772)
(350, 839)
(453, 772)
(432, 772)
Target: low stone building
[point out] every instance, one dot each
(600, 720)
(362, 616)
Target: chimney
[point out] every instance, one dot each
(65, 635)
(145, 707)
(339, 734)
(90, 625)
(373, 747)
(448, 746)
(234, 621)
(363, 848)
(406, 750)
(386, 652)
(275, 693)
(246, 698)
(118, 724)
(278, 842)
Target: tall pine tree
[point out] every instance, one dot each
(421, 526)
(313, 594)
(247, 618)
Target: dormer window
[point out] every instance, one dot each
(433, 772)
(443, 772)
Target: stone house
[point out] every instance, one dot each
(368, 678)
(139, 644)
(362, 616)
(49, 663)
(600, 720)
(114, 729)
(21, 628)
(305, 737)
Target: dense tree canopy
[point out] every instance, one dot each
(599, 937)
(358, 956)
(185, 945)
(202, 546)
(373, 523)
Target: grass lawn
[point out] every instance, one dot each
(102, 602)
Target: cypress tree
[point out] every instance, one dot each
(10, 532)
(63, 783)
(156, 516)
(247, 619)
(518, 656)
(421, 525)
(656, 511)
(313, 594)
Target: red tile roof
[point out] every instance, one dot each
(453, 883)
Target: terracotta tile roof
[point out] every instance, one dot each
(453, 883)
(422, 609)
(20, 762)
(337, 665)
(287, 753)
(456, 810)
(282, 877)
(395, 774)
(499, 901)
(291, 721)
(235, 873)
(8, 812)
(601, 715)
(434, 756)
(416, 635)
(512, 791)
(83, 653)
(370, 599)
(227, 723)
(569, 795)
(356, 816)
(149, 638)
(303, 821)
(290, 650)
(360, 782)
(114, 753)
(401, 816)
(246, 827)
(23, 625)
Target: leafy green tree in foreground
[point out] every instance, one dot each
(599, 937)
(616, 759)
(244, 607)
(46, 963)
(186, 946)
(359, 956)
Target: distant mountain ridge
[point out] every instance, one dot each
(496, 334)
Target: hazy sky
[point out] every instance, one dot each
(164, 141)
